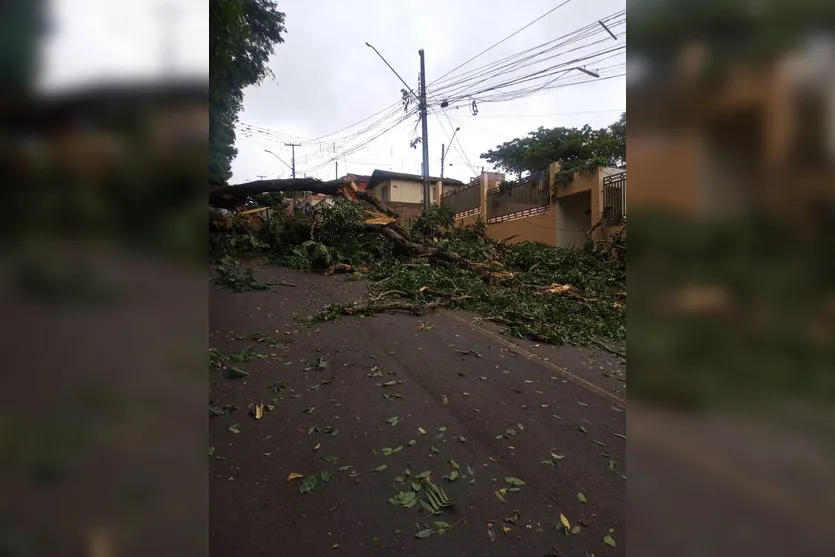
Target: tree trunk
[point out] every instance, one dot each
(229, 197)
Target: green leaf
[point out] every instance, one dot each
(380, 468)
(309, 483)
(581, 497)
(609, 540)
(454, 464)
(412, 442)
(514, 481)
(235, 428)
(575, 530)
(393, 421)
(441, 524)
(330, 458)
(454, 475)
(326, 476)
(424, 533)
(233, 372)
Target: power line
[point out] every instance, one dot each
(456, 91)
(491, 47)
(543, 115)
(527, 57)
(530, 57)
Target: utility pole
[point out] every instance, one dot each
(293, 160)
(422, 102)
(442, 162)
(424, 132)
(292, 147)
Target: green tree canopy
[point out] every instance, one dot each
(735, 32)
(576, 149)
(242, 37)
(23, 25)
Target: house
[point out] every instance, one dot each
(591, 206)
(404, 192)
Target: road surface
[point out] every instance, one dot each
(458, 393)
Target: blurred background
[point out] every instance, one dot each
(731, 148)
(103, 151)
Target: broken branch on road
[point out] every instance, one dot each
(537, 292)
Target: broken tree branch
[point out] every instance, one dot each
(373, 306)
(229, 197)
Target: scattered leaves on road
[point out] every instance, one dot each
(581, 497)
(514, 481)
(312, 481)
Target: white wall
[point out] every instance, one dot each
(573, 221)
(403, 191)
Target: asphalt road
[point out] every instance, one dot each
(498, 409)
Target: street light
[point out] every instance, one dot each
(291, 169)
(279, 158)
(444, 152)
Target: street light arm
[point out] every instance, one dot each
(369, 45)
(279, 158)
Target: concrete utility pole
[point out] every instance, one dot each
(292, 147)
(424, 132)
(293, 160)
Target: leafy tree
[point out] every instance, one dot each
(23, 26)
(736, 32)
(242, 37)
(576, 149)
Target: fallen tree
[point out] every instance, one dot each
(231, 197)
(548, 294)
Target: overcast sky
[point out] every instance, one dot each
(105, 40)
(327, 79)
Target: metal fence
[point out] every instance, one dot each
(465, 200)
(515, 201)
(614, 198)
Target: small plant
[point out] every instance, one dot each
(432, 222)
(229, 276)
